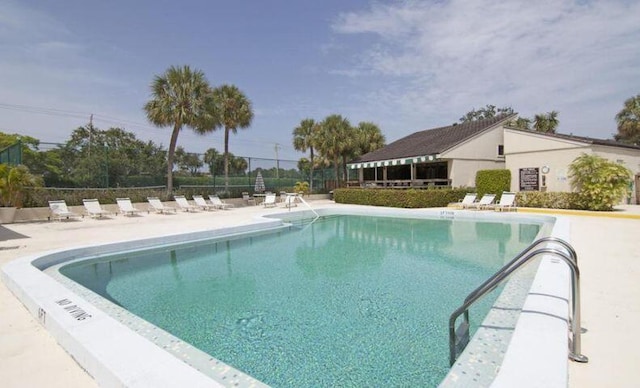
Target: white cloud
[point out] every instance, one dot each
(575, 57)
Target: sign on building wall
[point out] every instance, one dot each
(529, 179)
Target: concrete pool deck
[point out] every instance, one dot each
(607, 249)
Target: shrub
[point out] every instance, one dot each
(410, 198)
(600, 183)
(551, 200)
(301, 187)
(493, 182)
(14, 183)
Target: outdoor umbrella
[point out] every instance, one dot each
(259, 187)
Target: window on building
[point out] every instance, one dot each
(500, 150)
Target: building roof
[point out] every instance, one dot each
(432, 141)
(582, 139)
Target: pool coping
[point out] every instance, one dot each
(95, 340)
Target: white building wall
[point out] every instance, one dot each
(557, 179)
(463, 172)
(483, 146)
(529, 149)
(478, 153)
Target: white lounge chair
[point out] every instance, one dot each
(290, 200)
(93, 208)
(269, 200)
(59, 210)
(158, 206)
(218, 203)
(183, 204)
(202, 203)
(485, 202)
(507, 202)
(468, 200)
(126, 207)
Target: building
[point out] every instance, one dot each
(546, 157)
(451, 156)
(447, 156)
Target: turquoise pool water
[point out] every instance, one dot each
(345, 301)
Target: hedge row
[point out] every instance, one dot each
(549, 200)
(493, 181)
(410, 198)
(442, 197)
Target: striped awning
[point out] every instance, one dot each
(393, 162)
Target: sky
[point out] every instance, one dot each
(404, 65)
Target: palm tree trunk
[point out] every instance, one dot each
(172, 150)
(336, 170)
(226, 160)
(344, 168)
(311, 177)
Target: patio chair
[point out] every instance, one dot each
(202, 203)
(218, 203)
(468, 200)
(484, 203)
(290, 200)
(183, 204)
(269, 200)
(93, 208)
(507, 202)
(248, 199)
(59, 210)
(126, 207)
(159, 207)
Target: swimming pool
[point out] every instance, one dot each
(344, 300)
(75, 305)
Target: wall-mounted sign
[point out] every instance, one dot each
(529, 179)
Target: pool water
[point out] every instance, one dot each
(344, 301)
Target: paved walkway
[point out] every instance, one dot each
(607, 248)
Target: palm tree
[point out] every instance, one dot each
(180, 97)
(235, 112)
(333, 139)
(546, 123)
(370, 137)
(628, 120)
(552, 119)
(210, 158)
(521, 122)
(304, 137)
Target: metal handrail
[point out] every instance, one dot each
(307, 204)
(569, 257)
(569, 248)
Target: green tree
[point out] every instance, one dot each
(334, 140)
(304, 138)
(38, 162)
(546, 122)
(181, 97)
(487, 112)
(600, 183)
(370, 138)
(188, 161)
(235, 111)
(628, 120)
(96, 158)
(304, 166)
(521, 123)
(212, 158)
(13, 182)
(238, 165)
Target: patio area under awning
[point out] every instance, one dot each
(408, 172)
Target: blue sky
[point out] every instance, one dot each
(405, 65)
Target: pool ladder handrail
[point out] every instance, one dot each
(459, 338)
(298, 196)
